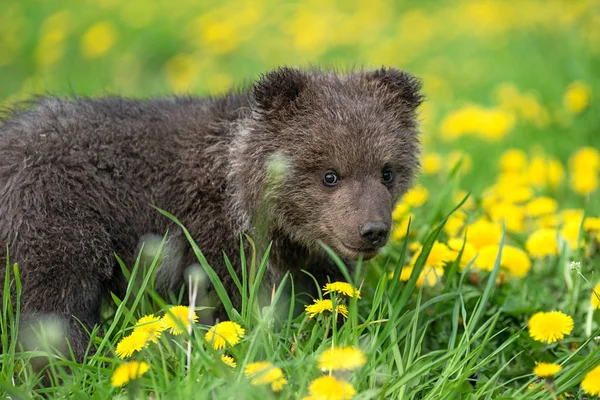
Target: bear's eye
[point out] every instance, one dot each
(331, 179)
(387, 176)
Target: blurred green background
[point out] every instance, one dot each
(490, 53)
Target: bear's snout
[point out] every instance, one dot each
(374, 233)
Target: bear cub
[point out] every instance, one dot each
(298, 158)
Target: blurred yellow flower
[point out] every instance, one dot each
(429, 275)
(400, 229)
(510, 214)
(483, 232)
(329, 388)
(263, 373)
(439, 255)
(591, 382)
(128, 372)
(320, 306)
(341, 287)
(180, 317)
(577, 97)
(570, 232)
(541, 206)
(455, 223)
(98, 39)
(596, 297)
(469, 252)
(491, 124)
(347, 358)
(136, 341)
(550, 327)
(152, 325)
(400, 211)
(432, 163)
(416, 197)
(542, 242)
(591, 224)
(584, 181)
(229, 361)
(224, 333)
(457, 156)
(546, 370)
(513, 160)
(513, 260)
(54, 31)
(585, 158)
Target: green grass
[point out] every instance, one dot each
(464, 337)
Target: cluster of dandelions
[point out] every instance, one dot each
(551, 327)
(321, 306)
(148, 329)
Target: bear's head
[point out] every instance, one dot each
(325, 156)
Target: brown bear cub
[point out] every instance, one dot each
(78, 179)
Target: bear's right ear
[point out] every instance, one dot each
(400, 84)
(279, 89)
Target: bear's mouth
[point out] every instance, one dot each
(365, 251)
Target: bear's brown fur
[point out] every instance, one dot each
(78, 178)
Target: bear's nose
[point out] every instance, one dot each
(373, 233)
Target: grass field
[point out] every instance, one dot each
(511, 118)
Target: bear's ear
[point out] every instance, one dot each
(279, 89)
(401, 84)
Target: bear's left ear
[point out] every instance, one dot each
(402, 85)
(278, 89)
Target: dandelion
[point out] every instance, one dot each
(263, 373)
(438, 256)
(342, 288)
(320, 306)
(591, 382)
(132, 343)
(432, 163)
(455, 223)
(550, 327)
(128, 371)
(541, 206)
(585, 158)
(483, 232)
(400, 211)
(180, 317)
(98, 39)
(469, 251)
(591, 224)
(512, 259)
(347, 358)
(513, 160)
(400, 229)
(584, 182)
(546, 370)
(229, 361)
(416, 197)
(596, 297)
(542, 243)
(151, 325)
(223, 333)
(330, 388)
(577, 97)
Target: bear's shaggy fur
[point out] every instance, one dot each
(78, 178)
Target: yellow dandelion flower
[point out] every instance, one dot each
(152, 325)
(570, 232)
(400, 229)
(342, 288)
(585, 158)
(483, 232)
(469, 252)
(127, 372)
(596, 297)
(229, 361)
(342, 358)
(541, 206)
(264, 373)
(513, 160)
(320, 306)
(542, 243)
(550, 327)
(330, 388)
(400, 211)
(223, 333)
(577, 97)
(439, 255)
(584, 181)
(98, 39)
(513, 260)
(591, 382)
(457, 156)
(455, 223)
(509, 213)
(546, 370)
(416, 197)
(432, 163)
(132, 343)
(591, 224)
(429, 275)
(180, 317)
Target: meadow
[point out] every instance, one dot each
(489, 287)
